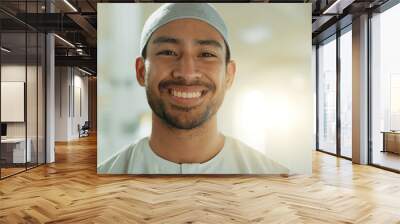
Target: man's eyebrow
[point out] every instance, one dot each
(209, 42)
(165, 39)
(172, 40)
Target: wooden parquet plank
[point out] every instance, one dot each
(70, 191)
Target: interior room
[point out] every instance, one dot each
(52, 125)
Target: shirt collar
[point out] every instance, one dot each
(166, 163)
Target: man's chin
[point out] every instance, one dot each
(178, 123)
(185, 120)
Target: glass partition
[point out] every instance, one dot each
(22, 90)
(14, 154)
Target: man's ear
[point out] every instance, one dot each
(140, 71)
(230, 73)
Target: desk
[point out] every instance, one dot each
(15, 148)
(391, 141)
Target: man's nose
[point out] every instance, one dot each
(186, 68)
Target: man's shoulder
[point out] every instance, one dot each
(242, 149)
(256, 161)
(119, 162)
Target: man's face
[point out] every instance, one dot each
(185, 72)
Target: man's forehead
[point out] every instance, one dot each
(181, 30)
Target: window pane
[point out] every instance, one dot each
(327, 96)
(386, 88)
(346, 94)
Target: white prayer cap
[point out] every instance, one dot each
(173, 11)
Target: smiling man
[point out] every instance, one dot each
(186, 69)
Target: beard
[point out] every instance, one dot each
(181, 117)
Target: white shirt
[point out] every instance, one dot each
(234, 158)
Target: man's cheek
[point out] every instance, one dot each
(149, 79)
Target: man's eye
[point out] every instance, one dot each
(167, 52)
(207, 54)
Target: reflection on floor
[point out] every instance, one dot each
(10, 169)
(70, 191)
(387, 159)
(347, 152)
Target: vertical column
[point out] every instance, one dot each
(50, 92)
(360, 90)
(338, 91)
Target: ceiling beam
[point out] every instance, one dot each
(84, 24)
(85, 61)
(337, 7)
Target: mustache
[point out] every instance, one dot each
(183, 82)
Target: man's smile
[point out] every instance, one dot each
(189, 96)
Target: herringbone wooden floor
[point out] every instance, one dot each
(70, 191)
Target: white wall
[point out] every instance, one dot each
(34, 125)
(12, 100)
(12, 73)
(16, 73)
(61, 103)
(79, 117)
(70, 83)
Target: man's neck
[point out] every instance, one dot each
(197, 145)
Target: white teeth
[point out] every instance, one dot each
(186, 95)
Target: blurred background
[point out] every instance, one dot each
(270, 106)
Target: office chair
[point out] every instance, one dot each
(84, 130)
